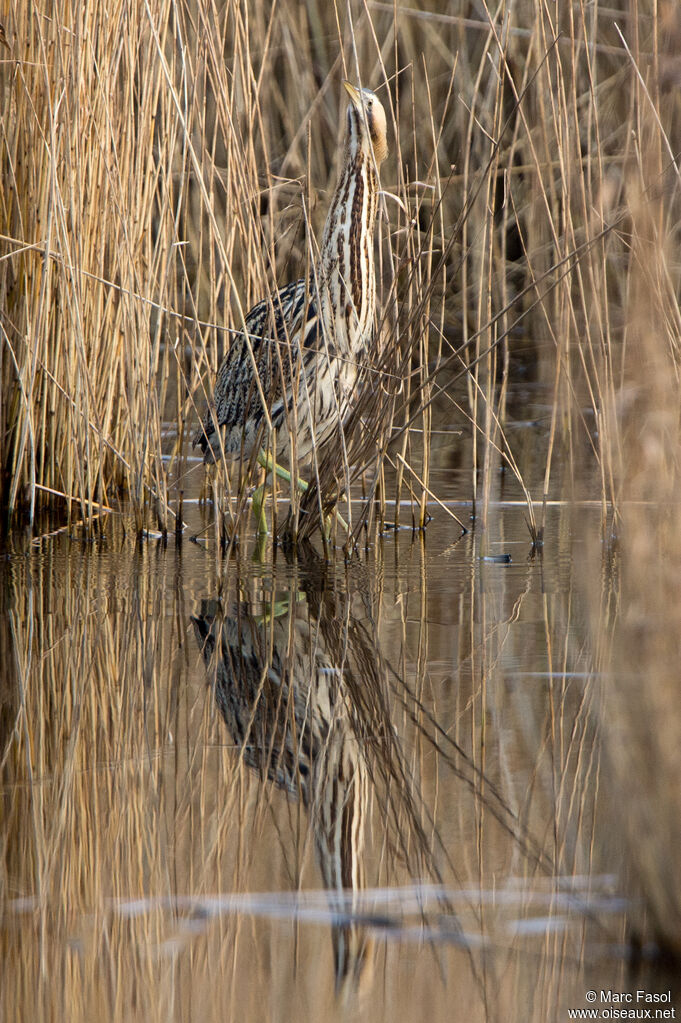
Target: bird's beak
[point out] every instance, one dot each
(354, 94)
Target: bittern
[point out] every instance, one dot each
(308, 699)
(283, 681)
(291, 374)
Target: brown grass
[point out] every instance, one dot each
(166, 163)
(165, 166)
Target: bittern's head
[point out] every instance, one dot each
(366, 121)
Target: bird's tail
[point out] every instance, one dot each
(206, 439)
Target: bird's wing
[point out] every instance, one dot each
(277, 328)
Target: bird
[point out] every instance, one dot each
(282, 678)
(295, 367)
(297, 672)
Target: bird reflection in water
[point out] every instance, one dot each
(302, 689)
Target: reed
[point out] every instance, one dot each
(166, 167)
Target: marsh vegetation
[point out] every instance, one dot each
(499, 726)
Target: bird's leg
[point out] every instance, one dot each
(266, 461)
(258, 500)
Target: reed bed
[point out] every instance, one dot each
(167, 164)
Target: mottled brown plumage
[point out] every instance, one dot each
(308, 339)
(283, 682)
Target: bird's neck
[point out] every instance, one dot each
(346, 260)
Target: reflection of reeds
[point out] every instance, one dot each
(84, 772)
(130, 817)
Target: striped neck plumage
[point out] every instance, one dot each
(346, 264)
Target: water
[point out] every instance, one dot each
(276, 789)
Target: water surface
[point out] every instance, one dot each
(289, 788)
